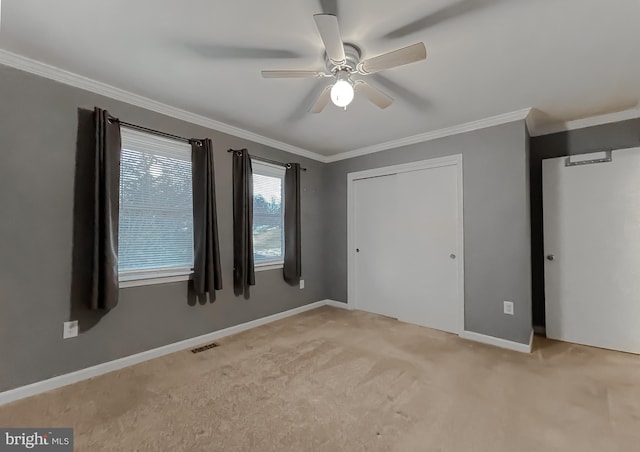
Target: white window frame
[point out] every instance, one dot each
(278, 171)
(145, 142)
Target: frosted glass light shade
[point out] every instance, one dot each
(342, 93)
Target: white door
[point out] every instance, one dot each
(592, 250)
(375, 226)
(407, 229)
(427, 267)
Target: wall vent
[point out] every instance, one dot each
(204, 348)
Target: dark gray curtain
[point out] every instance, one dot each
(292, 254)
(207, 277)
(106, 202)
(243, 271)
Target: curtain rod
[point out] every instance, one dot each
(157, 132)
(262, 159)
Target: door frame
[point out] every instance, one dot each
(451, 160)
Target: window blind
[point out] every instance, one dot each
(156, 204)
(268, 213)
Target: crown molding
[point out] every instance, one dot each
(547, 129)
(78, 81)
(530, 115)
(505, 118)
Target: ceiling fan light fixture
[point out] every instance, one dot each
(342, 91)
(343, 59)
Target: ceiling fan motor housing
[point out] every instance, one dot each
(352, 58)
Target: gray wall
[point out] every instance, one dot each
(619, 135)
(38, 133)
(496, 223)
(40, 124)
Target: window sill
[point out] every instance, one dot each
(148, 278)
(268, 266)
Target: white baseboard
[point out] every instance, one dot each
(337, 304)
(496, 341)
(100, 369)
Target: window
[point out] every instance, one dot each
(156, 209)
(268, 214)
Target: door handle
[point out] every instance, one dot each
(551, 257)
(452, 256)
(357, 250)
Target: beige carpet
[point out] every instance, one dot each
(334, 380)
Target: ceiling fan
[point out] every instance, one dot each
(342, 61)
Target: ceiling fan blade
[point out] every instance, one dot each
(451, 11)
(292, 74)
(406, 55)
(329, 6)
(238, 52)
(402, 92)
(322, 100)
(374, 95)
(330, 33)
(301, 110)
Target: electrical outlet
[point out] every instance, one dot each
(302, 284)
(508, 307)
(70, 329)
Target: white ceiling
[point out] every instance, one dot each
(570, 59)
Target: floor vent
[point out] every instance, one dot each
(204, 348)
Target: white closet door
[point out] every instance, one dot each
(376, 232)
(406, 231)
(592, 246)
(427, 270)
